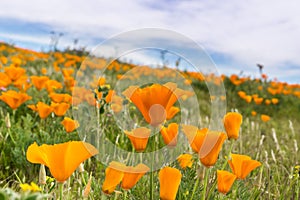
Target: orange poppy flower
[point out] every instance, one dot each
(60, 109)
(225, 180)
(258, 101)
(113, 176)
(43, 109)
(44, 71)
(132, 175)
(195, 136)
(22, 83)
(248, 98)
(4, 80)
(59, 98)
(67, 72)
(154, 102)
(242, 165)
(60, 158)
(39, 82)
(115, 100)
(14, 73)
(70, 124)
(265, 118)
(232, 123)
(274, 101)
(139, 138)
(267, 102)
(253, 113)
(108, 98)
(169, 179)
(169, 134)
(53, 85)
(264, 76)
(185, 160)
(242, 94)
(172, 112)
(209, 154)
(14, 99)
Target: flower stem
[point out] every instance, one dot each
(11, 137)
(82, 178)
(205, 183)
(223, 167)
(194, 189)
(151, 173)
(297, 190)
(61, 187)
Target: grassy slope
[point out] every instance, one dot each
(274, 180)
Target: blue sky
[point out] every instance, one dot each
(236, 34)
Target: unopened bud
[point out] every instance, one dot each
(80, 168)
(7, 121)
(42, 175)
(87, 188)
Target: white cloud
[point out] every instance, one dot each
(246, 31)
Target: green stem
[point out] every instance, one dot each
(11, 137)
(222, 168)
(297, 188)
(61, 188)
(151, 173)
(82, 178)
(194, 189)
(205, 183)
(125, 195)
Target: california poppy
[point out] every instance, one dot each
(14, 73)
(265, 118)
(185, 160)
(248, 98)
(211, 147)
(116, 103)
(113, 176)
(4, 80)
(258, 101)
(39, 82)
(195, 136)
(232, 123)
(154, 102)
(253, 113)
(242, 165)
(23, 83)
(267, 102)
(52, 85)
(172, 112)
(169, 134)
(43, 109)
(132, 175)
(59, 98)
(169, 179)
(60, 109)
(61, 159)
(14, 99)
(70, 124)
(274, 101)
(139, 138)
(225, 180)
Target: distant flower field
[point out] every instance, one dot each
(55, 123)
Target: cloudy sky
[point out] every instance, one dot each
(236, 34)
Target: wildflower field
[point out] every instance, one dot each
(60, 135)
